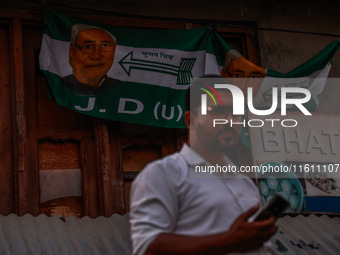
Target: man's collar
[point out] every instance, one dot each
(194, 159)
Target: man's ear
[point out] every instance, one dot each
(187, 119)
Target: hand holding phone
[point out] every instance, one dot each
(275, 207)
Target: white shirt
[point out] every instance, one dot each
(165, 198)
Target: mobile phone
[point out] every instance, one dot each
(275, 207)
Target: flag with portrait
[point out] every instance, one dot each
(152, 69)
(144, 74)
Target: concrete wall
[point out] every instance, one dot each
(314, 27)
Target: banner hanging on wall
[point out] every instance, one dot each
(139, 75)
(140, 78)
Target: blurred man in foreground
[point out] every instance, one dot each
(178, 208)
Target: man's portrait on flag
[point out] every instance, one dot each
(91, 55)
(236, 66)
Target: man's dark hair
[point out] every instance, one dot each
(194, 91)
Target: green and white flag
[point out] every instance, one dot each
(311, 75)
(155, 67)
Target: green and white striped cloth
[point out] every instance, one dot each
(155, 67)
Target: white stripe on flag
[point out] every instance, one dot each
(160, 67)
(54, 56)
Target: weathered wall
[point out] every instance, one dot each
(309, 28)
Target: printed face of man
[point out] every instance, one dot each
(91, 57)
(243, 68)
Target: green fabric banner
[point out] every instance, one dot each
(143, 73)
(151, 70)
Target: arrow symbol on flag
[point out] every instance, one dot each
(183, 71)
